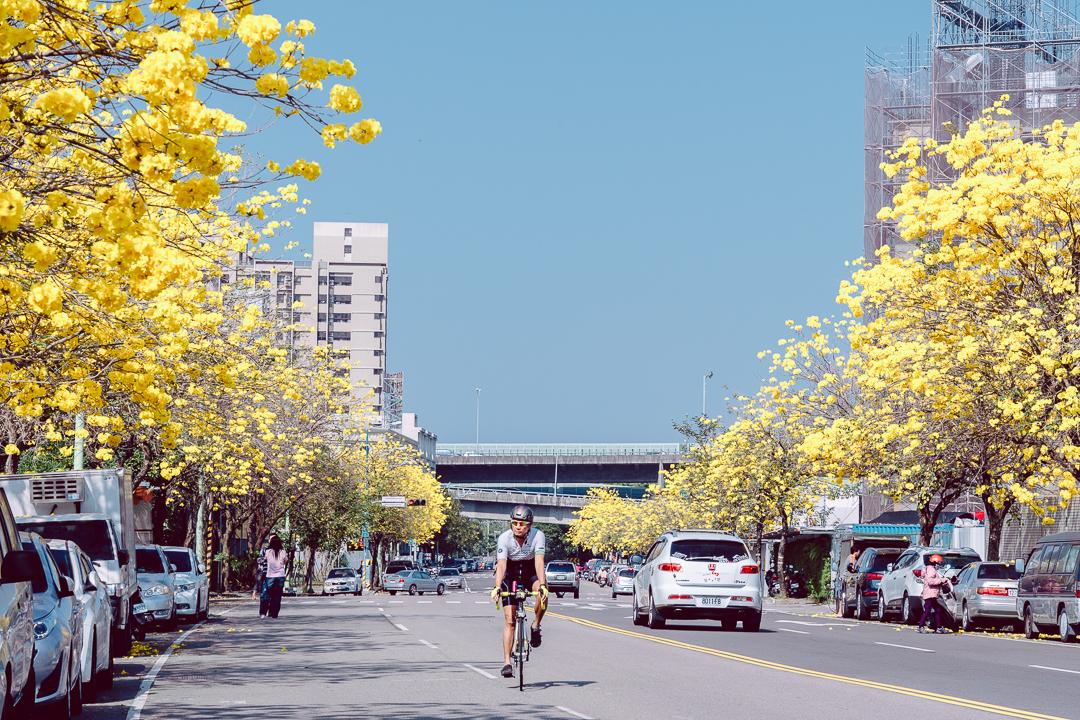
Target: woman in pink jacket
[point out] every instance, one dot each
(932, 582)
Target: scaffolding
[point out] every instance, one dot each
(979, 50)
(393, 397)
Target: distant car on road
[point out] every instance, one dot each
(342, 580)
(396, 566)
(901, 588)
(190, 582)
(413, 582)
(859, 586)
(451, 577)
(562, 578)
(622, 582)
(698, 574)
(984, 593)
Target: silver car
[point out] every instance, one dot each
(984, 593)
(451, 577)
(96, 612)
(155, 576)
(622, 581)
(413, 582)
(57, 636)
(562, 577)
(698, 574)
(342, 580)
(190, 583)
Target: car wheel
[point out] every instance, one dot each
(576, 595)
(656, 620)
(906, 616)
(105, 677)
(752, 623)
(728, 624)
(559, 594)
(26, 702)
(172, 623)
(440, 590)
(412, 589)
(861, 611)
(882, 615)
(639, 618)
(392, 592)
(89, 690)
(965, 619)
(1064, 628)
(76, 691)
(121, 641)
(1031, 631)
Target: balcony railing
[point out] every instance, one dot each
(558, 449)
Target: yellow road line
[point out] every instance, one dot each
(921, 694)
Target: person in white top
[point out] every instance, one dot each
(519, 556)
(275, 574)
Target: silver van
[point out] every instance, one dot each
(1048, 593)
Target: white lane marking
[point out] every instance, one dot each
(397, 602)
(576, 714)
(402, 628)
(453, 602)
(423, 602)
(569, 604)
(624, 605)
(1045, 667)
(906, 647)
(475, 669)
(801, 632)
(628, 617)
(480, 602)
(816, 624)
(367, 602)
(433, 647)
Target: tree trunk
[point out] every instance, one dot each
(377, 562)
(995, 523)
(226, 554)
(309, 573)
(759, 545)
(781, 573)
(928, 517)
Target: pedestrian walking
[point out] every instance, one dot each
(932, 582)
(260, 590)
(275, 574)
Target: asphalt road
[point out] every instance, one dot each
(438, 657)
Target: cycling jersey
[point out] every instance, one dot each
(520, 558)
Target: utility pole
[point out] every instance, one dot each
(477, 419)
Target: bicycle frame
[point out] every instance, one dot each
(522, 648)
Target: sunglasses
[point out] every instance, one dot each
(520, 523)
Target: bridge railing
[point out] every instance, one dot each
(558, 449)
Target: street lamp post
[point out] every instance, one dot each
(477, 419)
(704, 377)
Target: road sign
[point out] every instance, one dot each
(393, 501)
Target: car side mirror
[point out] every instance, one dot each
(888, 568)
(20, 566)
(65, 590)
(123, 557)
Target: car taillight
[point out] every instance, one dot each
(680, 597)
(669, 567)
(749, 570)
(917, 573)
(873, 576)
(1003, 592)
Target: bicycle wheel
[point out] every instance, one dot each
(521, 644)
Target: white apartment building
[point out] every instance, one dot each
(341, 293)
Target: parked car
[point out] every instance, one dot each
(622, 582)
(698, 574)
(859, 585)
(562, 578)
(58, 636)
(18, 568)
(984, 593)
(451, 577)
(343, 580)
(154, 572)
(1048, 597)
(190, 581)
(95, 611)
(396, 566)
(413, 582)
(900, 591)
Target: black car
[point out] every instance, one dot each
(858, 591)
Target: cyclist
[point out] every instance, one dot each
(519, 558)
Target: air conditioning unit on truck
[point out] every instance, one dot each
(94, 509)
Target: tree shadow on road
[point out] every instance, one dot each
(402, 710)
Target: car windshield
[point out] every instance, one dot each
(998, 572)
(91, 535)
(180, 558)
(340, 573)
(62, 558)
(627, 573)
(709, 550)
(148, 561)
(561, 567)
(881, 561)
(953, 562)
(39, 584)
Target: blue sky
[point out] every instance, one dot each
(592, 204)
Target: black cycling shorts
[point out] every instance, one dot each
(523, 572)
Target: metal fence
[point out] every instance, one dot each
(558, 449)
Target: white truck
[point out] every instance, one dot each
(94, 509)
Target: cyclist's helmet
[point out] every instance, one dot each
(522, 512)
(936, 559)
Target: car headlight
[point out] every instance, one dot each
(44, 626)
(184, 587)
(156, 590)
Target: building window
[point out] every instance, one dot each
(297, 280)
(340, 279)
(262, 277)
(378, 316)
(322, 335)
(341, 336)
(342, 317)
(379, 298)
(322, 299)
(322, 279)
(378, 279)
(377, 371)
(348, 249)
(343, 299)
(322, 317)
(378, 333)
(348, 233)
(377, 353)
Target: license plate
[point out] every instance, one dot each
(560, 577)
(1012, 592)
(139, 608)
(712, 601)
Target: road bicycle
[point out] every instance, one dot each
(521, 647)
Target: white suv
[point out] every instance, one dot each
(901, 588)
(698, 574)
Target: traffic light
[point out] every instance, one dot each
(413, 502)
